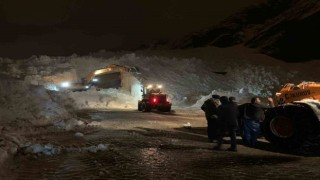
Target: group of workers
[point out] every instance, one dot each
(223, 115)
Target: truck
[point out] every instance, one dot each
(154, 98)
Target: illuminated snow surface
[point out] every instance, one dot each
(189, 77)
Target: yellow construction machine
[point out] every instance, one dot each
(107, 77)
(295, 121)
(304, 90)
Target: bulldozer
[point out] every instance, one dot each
(294, 123)
(154, 98)
(104, 78)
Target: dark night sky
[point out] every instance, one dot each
(63, 27)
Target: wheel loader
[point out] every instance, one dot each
(294, 123)
(154, 98)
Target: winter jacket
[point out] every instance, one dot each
(228, 115)
(210, 107)
(255, 111)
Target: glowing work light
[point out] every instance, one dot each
(65, 84)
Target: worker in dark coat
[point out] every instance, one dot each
(228, 122)
(210, 107)
(253, 116)
(233, 102)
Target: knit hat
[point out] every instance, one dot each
(232, 99)
(215, 96)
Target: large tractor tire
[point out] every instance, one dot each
(167, 109)
(164, 109)
(145, 107)
(289, 127)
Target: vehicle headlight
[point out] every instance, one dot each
(159, 86)
(87, 87)
(95, 80)
(65, 84)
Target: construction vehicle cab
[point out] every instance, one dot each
(108, 77)
(104, 78)
(154, 98)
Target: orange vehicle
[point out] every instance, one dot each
(104, 78)
(108, 77)
(304, 90)
(295, 122)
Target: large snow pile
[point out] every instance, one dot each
(24, 102)
(188, 76)
(187, 80)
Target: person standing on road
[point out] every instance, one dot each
(253, 115)
(210, 107)
(233, 102)
(228, 121)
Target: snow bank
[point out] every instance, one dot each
(186, 75)
(51, 150)
(9, 143)
(68, 124)
(107, 98)
(24, 102)
(47, 149)
(91, 149)
(185, 80)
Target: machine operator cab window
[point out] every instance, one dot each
(295, 88)
(289, 87)
(154, 89)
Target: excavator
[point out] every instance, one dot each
(107, 77)
(294, 123)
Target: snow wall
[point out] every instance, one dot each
(188, 76)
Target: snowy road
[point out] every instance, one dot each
(154, 146)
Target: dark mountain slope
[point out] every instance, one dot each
(285, 29)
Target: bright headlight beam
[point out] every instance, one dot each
(97, 72)
(95, 80)
(65, 84)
